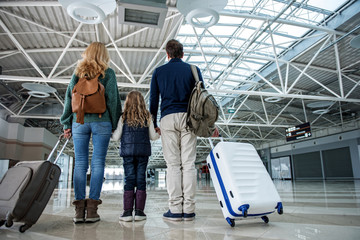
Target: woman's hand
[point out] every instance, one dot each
(67, 133)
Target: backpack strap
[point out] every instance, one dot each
(196, 76)
(196, 88)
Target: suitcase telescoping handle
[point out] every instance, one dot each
(55, 147)
(211, 142)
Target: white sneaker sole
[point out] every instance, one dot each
(173, 219)
(139, 218)
(79, 220)
(92, 220)
(126, 219)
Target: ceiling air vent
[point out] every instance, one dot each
(147, 13)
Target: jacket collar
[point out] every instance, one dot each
(175, 60)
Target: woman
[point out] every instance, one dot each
(95, 61)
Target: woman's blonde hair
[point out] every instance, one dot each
(95, 60)
(135, 112)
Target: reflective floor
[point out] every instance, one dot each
(312, 210)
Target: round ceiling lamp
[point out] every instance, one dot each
(89, 11)
(38, 94)
(38, 87)
(319, 104)
(320, 111)
(355, 42)
(273, 99)
(38, 90)
(195, 11)
(193, 17)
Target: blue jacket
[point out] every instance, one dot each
(173, 82)
(135, 141)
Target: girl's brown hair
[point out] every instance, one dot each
(95, 60)
(135, 112)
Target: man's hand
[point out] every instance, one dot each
(215, 133)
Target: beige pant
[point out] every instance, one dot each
(179, 148)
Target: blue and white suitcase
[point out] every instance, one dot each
(242, 184)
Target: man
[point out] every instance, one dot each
(174, 82)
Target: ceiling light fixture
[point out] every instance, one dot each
(89, 11)
(38, 94)
(319, 104)
(320, 111)
(355, 42)
(38, 90)
(38, 87)
(272, 99)
(195, 11)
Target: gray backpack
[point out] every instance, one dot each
(203, 110)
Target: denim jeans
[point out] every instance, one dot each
(101, 133)
(135, 169)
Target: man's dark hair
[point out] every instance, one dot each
(175, 49)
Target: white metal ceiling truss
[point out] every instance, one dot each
(235, 67)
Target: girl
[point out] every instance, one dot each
(95, 61)
(135, 128)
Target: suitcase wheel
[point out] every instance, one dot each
(2, 222)
(243, 209)
(9, 223)
(279, 208)
(280, 211)
(24, 227)
(245, 213)
(231, 222)
(265, 219)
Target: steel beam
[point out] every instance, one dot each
(119, 53)
(22, 50)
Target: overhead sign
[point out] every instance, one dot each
(298, 132)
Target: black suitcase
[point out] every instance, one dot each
(26, 189)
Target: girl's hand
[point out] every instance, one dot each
(157, 129)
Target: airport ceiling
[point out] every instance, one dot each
(270, 64)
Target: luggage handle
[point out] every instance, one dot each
(211, 142)
(55, 147)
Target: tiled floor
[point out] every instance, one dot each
(312, 210)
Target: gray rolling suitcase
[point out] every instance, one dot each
(26, 189)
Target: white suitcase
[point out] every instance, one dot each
(242, 184)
